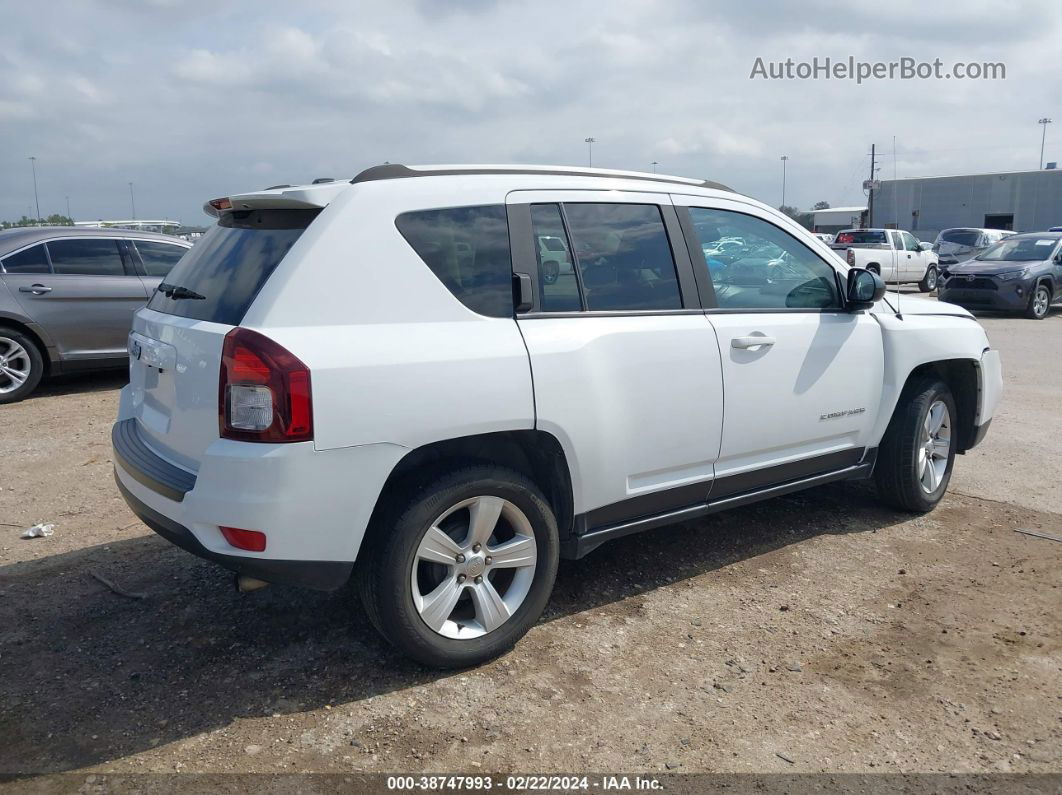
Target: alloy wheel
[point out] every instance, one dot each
(15, 365)
(1041, 301)
(474, 567)
(935, 447)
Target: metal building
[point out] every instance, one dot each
(1023, 201)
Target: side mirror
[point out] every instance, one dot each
(925, 246)
(865, 288)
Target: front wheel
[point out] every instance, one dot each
(1039, 302)
(929, 281)
(457, 572)
(917, 453)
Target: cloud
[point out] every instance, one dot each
(196, 99)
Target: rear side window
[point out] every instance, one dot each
(227, 267)
(622, 257)
(32, 260)
(89, 257)
(467, 248)
(158, 258)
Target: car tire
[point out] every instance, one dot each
(1039, 302)
(404, 584)
(18, 354)
(929, 281)
(550, 272)
(874, 268)
(916, 455)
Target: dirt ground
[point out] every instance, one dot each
(817, 632)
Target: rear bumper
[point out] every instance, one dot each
(321, 575)
(312, 505)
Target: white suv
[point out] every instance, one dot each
(374, 378)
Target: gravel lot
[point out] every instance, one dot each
(819, 632)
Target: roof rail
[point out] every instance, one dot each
(399, 171)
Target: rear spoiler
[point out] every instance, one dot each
(302, 197)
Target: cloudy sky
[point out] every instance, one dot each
(191, 100)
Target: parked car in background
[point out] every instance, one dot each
(825, 237)
(555, 259)
(897, 256)
(960, 244)
(67, 298)
(445, 427)
(1055, 229)
(1022, 273)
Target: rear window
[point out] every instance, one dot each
(865, 238)
(220, 276)
(467, 248)
(31, 260)
(962, 237)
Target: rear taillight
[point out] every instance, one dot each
(851, 257)
(264, 393)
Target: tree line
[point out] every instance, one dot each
(52, 220)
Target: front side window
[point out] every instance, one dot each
(910, 243)
(158, 258)
(467, 248)
(762, 266)
(31, 260)
(88, 257)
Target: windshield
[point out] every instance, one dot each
(1028, 249)
(219, 277)
(866, 238)
(961, 237)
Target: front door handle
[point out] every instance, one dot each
(751, 342)
(36, 289)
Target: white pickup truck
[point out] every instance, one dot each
(895, 255)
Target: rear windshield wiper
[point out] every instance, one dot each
(176, 292)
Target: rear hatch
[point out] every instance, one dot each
(176, 343)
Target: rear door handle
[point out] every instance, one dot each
(751, 342)
(36, 289)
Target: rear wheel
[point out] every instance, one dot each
(1039, 302)
(874, 268)
(929, 281)
(460, 570)
(550, 272)
(21, 365)
(917, 453)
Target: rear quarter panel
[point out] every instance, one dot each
(394, 356)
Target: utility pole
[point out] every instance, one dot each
(68, 215)
(870, 201)
(36, 201)
(132, 201)
(654, 164)
(590, 149)
(784, 158)
(1043, 137)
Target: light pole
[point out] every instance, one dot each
(590, 150)
(654, 164)
(36, 201)
(132, 201)
(784, 158)
(1043, 137)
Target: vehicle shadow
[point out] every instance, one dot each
(74, 383)
(89, 676)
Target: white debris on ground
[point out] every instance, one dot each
(39, 530)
